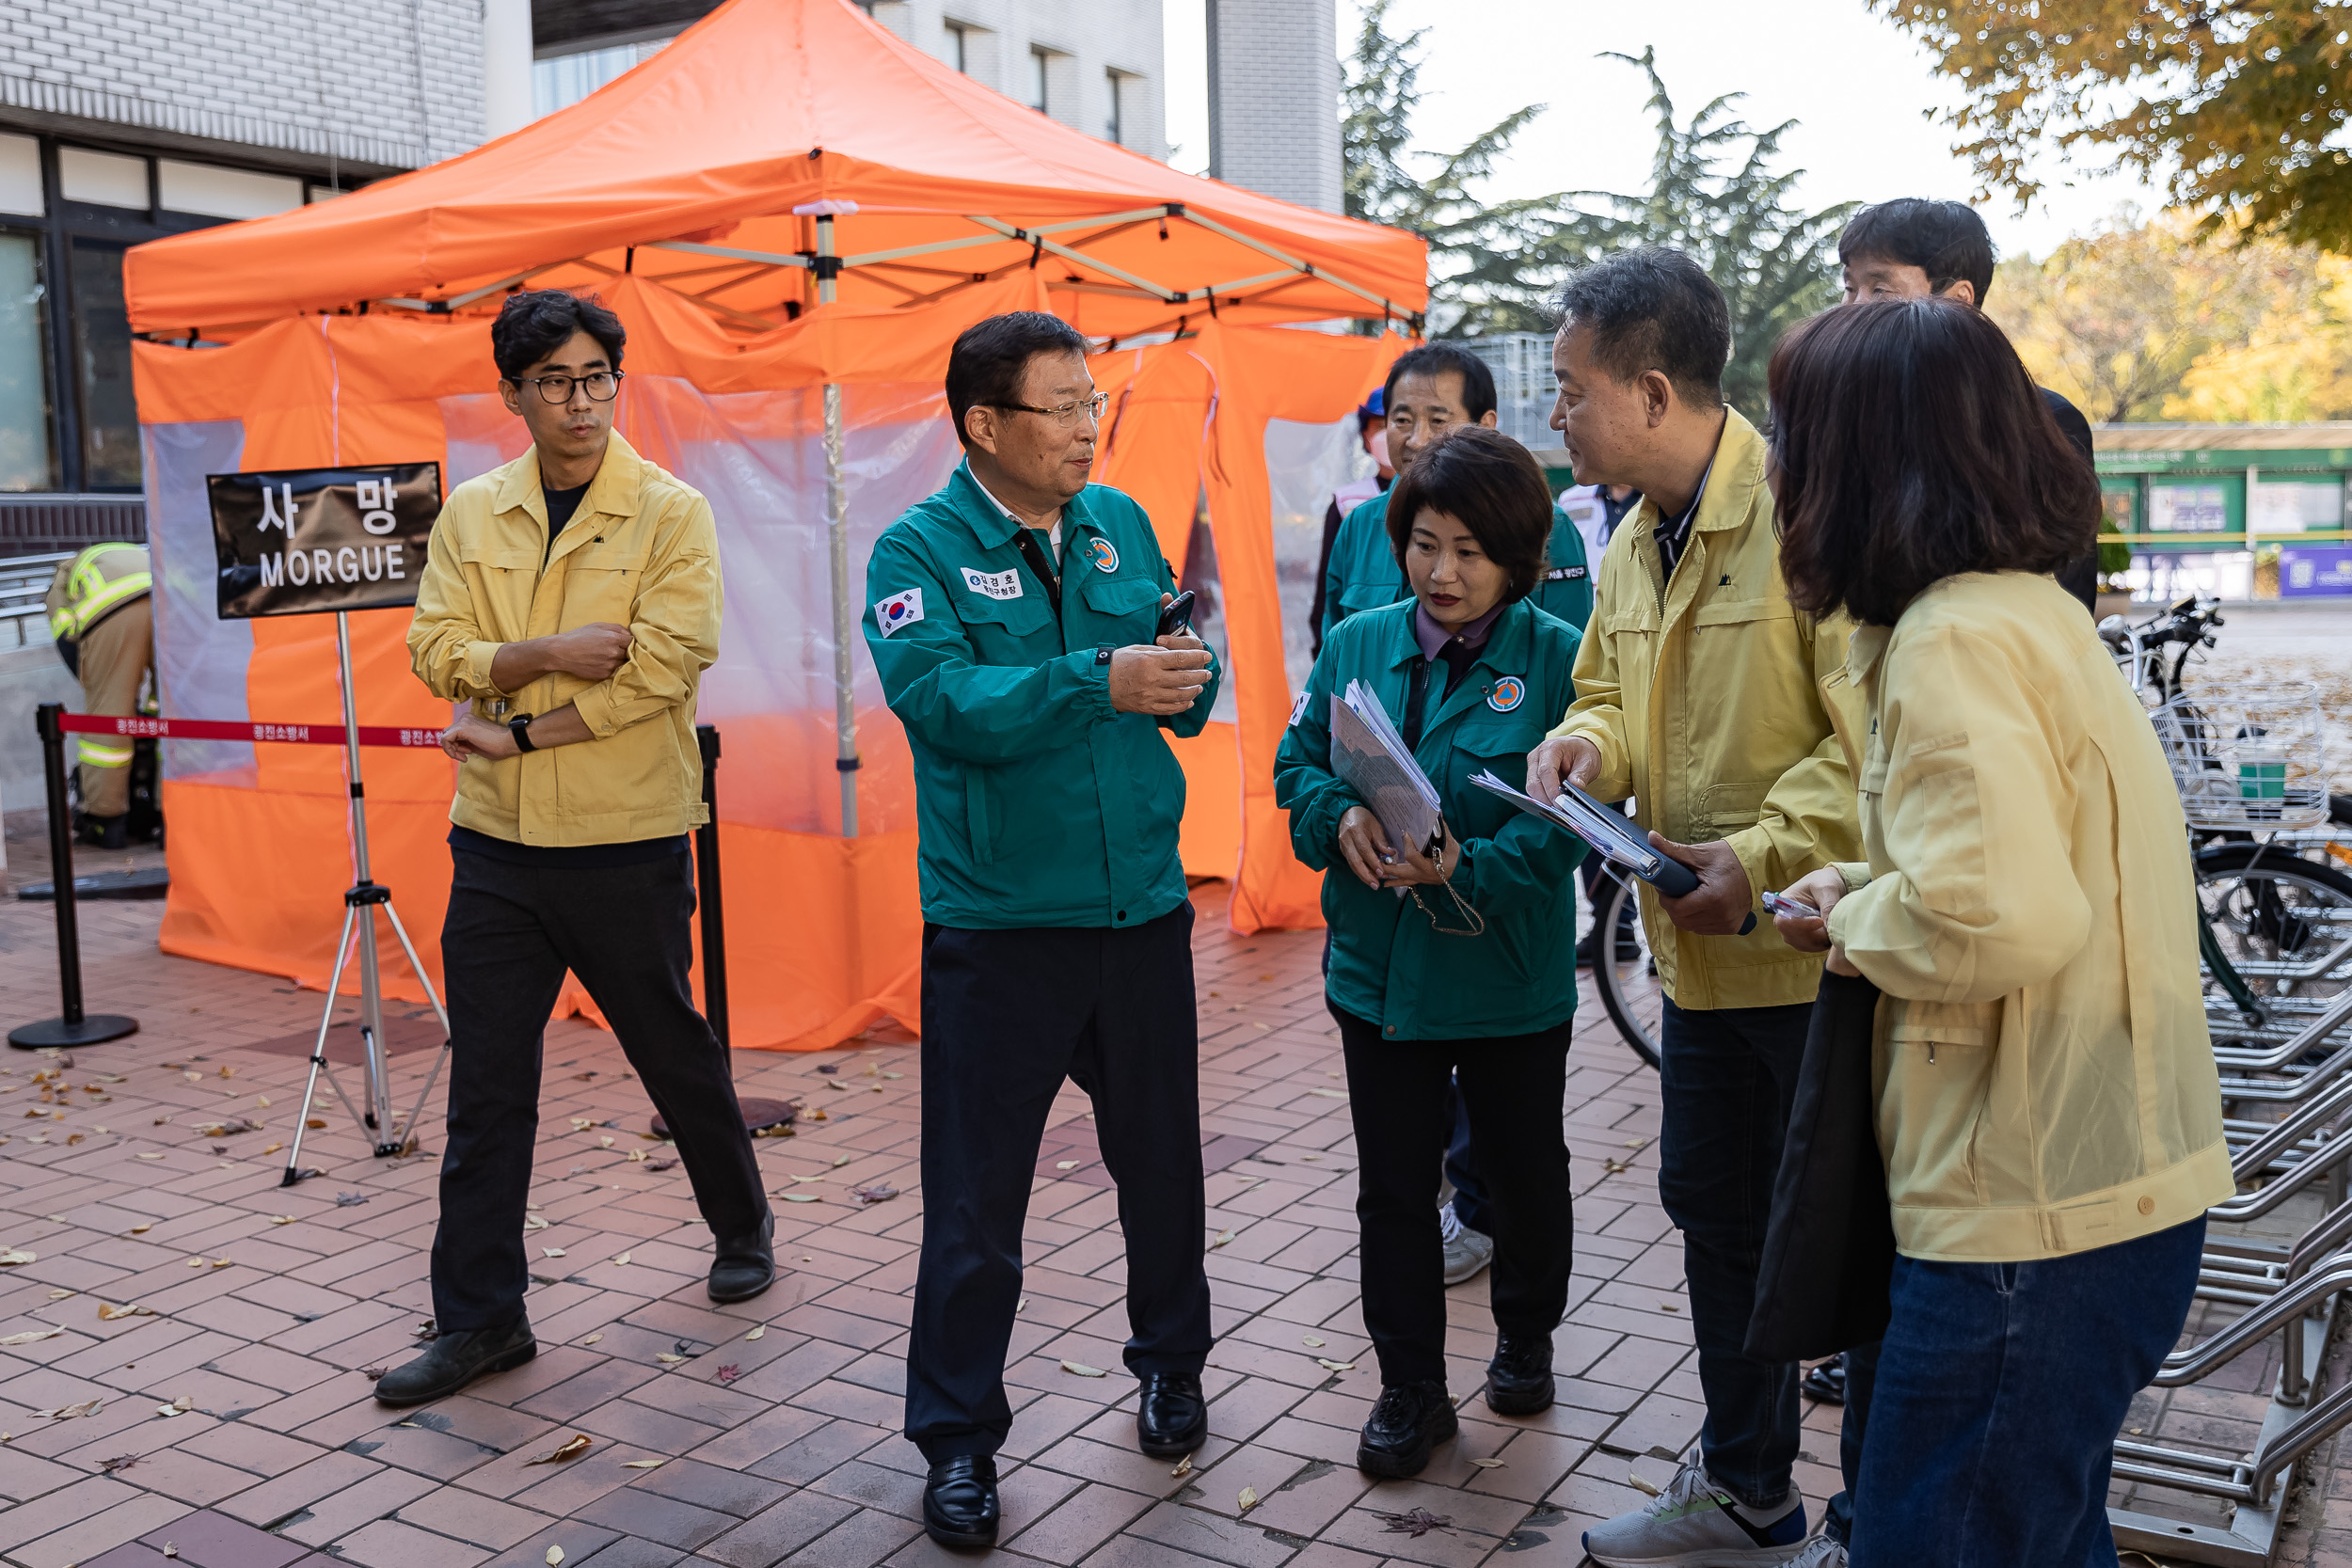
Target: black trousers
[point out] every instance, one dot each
(1727, 1080)
(1512, 1088)
(511, 933)
(1007, 1016)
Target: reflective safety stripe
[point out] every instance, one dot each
(79, 615)
(106, 753)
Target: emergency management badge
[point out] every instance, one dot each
(1104, 553)
(899, 609)
(1506, 694)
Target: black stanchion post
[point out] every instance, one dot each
(707, 889)
(74, 1027)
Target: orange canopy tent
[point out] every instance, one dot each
(794, 213)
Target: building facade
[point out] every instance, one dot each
(126, 120)
(2246, 511)
(1274, 96)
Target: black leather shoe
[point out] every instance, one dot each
(1172, 1417)
(102, 833)
(743, 1269)
(1518, 1379)
(959, 1501)
(1410, 1419)
(455, 1359)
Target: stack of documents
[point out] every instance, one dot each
(1372, 759)
(1617, 840)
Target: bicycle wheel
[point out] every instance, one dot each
(1625, 974)
(2284, 923)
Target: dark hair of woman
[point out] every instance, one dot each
(1487, 481)
(1911, 446)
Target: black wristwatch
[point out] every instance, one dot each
(519, 727)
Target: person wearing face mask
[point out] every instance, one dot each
(1450, 963)
(1372, 431)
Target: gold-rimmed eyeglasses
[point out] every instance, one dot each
(598, 385)
(1065, 413)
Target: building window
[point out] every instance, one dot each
(562, 80)
(28, 446)
(1114, 129)
(102, 179)
(1038, 58)
(957, 46)
(102, 364)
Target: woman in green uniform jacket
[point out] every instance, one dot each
(1458, 963)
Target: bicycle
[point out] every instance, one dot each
(2274, 926)
(1623, 970)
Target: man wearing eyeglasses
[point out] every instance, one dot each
(1014, 622)
(571, 598)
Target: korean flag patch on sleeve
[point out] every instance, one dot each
(899, 610)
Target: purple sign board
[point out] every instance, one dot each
(2315, 571)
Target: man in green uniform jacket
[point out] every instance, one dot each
(1430, 390)
(1014, 624)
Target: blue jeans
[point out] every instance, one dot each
(2000, 1389)
(1728, 1076)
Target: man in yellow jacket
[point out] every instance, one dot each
(1704, 696)
(571, 600)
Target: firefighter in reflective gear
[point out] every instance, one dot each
(100, 612)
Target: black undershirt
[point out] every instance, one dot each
(569, 857)
(561, 505)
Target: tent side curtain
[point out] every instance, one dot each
(259, 851)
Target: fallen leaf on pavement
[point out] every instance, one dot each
(1222, 1237)
(372, 1374)
(1312, 1342)
(605, 1142)
(636, 1156)
(1082, 1370)
(622, 1259)
(315, 1123)
(148, 1154)
(272, 1148)
(803, 1197)
(120, 1462)
(1183, 1466)
(667, 1359)
(171, 1550)
(67, 1412)
(224, 1129)
(10, 1256)
(593, 1338)
(142, 1227)
(876, 1194)
(552, 1251)
(841, 1161)
(281, 1219)
(1248, 1499)
(758, 1333)
(1642, 1486)
(108, 1312)
(643, 1465)
(555, 1555)
(1416, 1522)
(1488, 1463)
(1065, 1164)
(728, 1374)
(1335, 1366)
(571, 1448)
(32, 1338)
(534, 1222)
(221, 1263)
(346, 1200)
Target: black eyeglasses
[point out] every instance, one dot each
(1065, 413)
(598, 385)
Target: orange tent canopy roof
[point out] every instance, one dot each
(762, 107)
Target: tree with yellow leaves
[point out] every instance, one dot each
(2238, 109)
(2140, 321)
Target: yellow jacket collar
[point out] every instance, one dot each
(613, 493)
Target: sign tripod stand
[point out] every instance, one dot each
(359, 905)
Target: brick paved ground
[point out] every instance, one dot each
(254, 1310)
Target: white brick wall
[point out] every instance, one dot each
(1274, 98)
(394, 83)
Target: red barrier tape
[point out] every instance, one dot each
(218, 729)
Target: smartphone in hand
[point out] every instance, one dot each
(1178, 615)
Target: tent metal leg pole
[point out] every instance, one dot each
(844, 618)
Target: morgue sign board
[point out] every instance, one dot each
(302, 541)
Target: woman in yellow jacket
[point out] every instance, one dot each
(2048, 1108)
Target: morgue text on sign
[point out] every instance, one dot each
(300, 541)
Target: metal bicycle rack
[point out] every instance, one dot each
(2292, 1291)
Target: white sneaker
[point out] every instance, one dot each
(1696, 1524)
(1819, 1552)
(1467, 1251)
